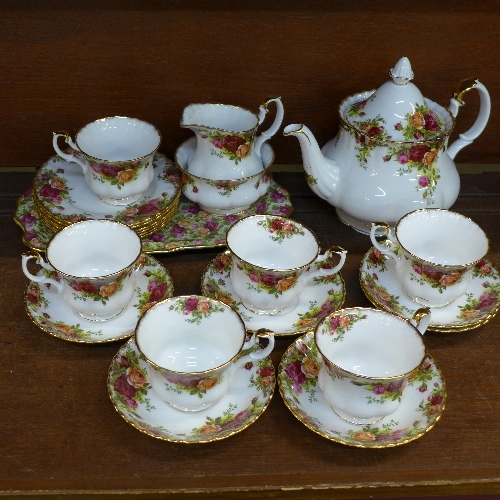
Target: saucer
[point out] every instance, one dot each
(131, 394)
(53, 315)
(190, 228)
(65, 196)
(326, 295)
(422, 403)
(478, 306)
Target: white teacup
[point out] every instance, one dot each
(368, 356)
(193, 345)
(273, 258)
(434, 251)
(94, 261)
(117, 156)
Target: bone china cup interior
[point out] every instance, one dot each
(118, 139)
(192, 345)
(273, 259)
(368, 356)
(438, 250)
(94, 260)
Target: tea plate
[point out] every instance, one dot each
(422, 403)
(190, 228)
(326, 295)
(53, 315)
(478, 306)
(61, 188)
(130, 392)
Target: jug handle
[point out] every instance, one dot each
(267, 134)
(481, 120)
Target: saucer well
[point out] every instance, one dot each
(326, 295)
(53, 315)
(130, 392)
(478, 306)
(190, 228)
(422, 403)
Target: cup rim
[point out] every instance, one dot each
(171, 299)
(92, 278)
(118, 161)
(376, 311)
(435, 264)
(261, 216)
(214, 104)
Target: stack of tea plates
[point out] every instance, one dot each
(61, 197)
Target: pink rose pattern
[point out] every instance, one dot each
(129, 388)
(234, 146)
(435, 276)
(295, 385)
(423, 125)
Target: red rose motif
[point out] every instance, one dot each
(157, 291)
(124, 388)
(191, 304)
(270, 280)
(264, 372)
(277, 224)
(430, 122)
(417, 152)
(110, 170)
(231, 143)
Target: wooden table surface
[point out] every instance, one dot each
(60, 433)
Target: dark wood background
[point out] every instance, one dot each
(66, 63)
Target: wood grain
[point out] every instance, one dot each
(66, 63)
(61, 434)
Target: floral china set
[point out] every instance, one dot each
(194, 370)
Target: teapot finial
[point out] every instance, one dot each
(402, 73)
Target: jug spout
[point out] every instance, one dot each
(322, 172)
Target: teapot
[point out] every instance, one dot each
(391, 154)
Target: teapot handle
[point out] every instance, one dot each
(481, 120)
(267, 134)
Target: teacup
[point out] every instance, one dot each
(94, 262)
(194, 346)
(368, 356)
(117, 158)
(273, 258)
(434, 251)
(223, 197)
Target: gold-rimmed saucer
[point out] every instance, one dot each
(478, 306)
(421, 406)
(130, 392)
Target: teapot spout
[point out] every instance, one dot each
(322, 172)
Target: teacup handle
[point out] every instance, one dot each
(39, 279)
(264, 136)
(386, 250)
(261, 353)
(421, 319)
(66, 156)
(309, 277)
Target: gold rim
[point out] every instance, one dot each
(376, 311)
(118, 161)
(434, 264)
(164, 438)
(431, 327)
(345, 123)
(203, 372)
(277, 217)
(337, 439)
(250, 131)
(276, 334)
(86, 341)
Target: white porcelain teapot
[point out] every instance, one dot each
(391, 154)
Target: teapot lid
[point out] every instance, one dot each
(396, 111)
